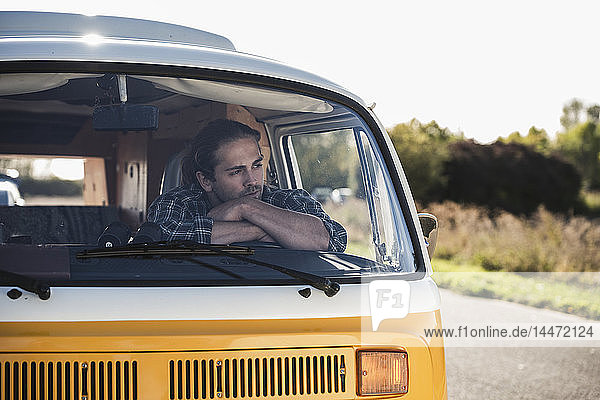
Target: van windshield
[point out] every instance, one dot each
(107, 160)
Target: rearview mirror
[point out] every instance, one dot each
(429, 226)
(125, 117)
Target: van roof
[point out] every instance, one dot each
(29, 35)
(47, 24)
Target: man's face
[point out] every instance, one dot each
(238, 173)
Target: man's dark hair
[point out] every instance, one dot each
(200, 154)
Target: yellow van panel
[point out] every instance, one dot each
(283, 373)
(192, 359)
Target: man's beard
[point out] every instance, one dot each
(252, 189)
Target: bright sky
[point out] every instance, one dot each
(487, 68)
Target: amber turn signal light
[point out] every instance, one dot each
(382, 372)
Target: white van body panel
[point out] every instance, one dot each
(44, 24)
(205, 303)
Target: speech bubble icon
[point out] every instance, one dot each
(388, 299)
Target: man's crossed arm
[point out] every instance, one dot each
(248, 218)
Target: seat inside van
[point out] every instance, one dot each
(55, 224)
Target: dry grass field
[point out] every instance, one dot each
(499, 241)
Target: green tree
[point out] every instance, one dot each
(510, 176)
(579, 143)
(593, 113)
(536, 139)
(581, 146)
(571, 112)
(423, 150)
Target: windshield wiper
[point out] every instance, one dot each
(329, 287)
(26, 283)
(181, 247)
(188, 248)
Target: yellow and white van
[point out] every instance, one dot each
(94, 113)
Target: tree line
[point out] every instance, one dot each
(518, 173)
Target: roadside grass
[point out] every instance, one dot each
(544, 260)
(569, 292)
(499, 241)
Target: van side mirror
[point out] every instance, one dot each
(429, 226)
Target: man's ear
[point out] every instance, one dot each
(206, 183)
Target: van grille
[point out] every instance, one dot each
(251, 374)
(66, 380)
(274, 376)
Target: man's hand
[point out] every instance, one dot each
(230, 225)
(229, 211)
(226, 232)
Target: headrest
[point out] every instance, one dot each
(172, 174)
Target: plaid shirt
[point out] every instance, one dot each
(181, 213)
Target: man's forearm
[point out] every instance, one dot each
(289, 228)
(226, 232)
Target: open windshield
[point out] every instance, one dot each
(86, 158)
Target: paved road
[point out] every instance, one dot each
(519, 371)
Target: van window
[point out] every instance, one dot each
(51, 181)
(343, 170)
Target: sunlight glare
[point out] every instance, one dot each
(67, 169)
